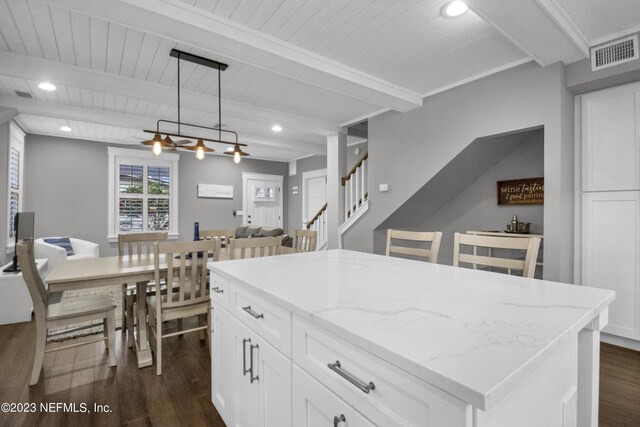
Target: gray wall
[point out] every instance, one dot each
(352, 158)
(475, 208)
(408, 149)
(66, 184)
(580, 78)
(295, 200)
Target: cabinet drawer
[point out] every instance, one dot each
(220, 290)
(394, 398)
(315, 405)
(266, 319)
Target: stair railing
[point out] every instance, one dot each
(355, 187)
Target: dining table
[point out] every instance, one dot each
(72, 275)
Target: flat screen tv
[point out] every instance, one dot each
(23, 230)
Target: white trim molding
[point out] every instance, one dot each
(261, 176)
(147, 158)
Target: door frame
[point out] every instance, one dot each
(246, 176)
(305, 176)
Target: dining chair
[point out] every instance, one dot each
(254, 247)
(305, 240)
(186, 264)
(133, 244)
(415, 239)
(65, 313)
(225, 236)
(509, 245)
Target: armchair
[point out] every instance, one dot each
(82, 249)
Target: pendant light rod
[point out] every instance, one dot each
(185, 56)
(219, 107)
(178, 85)
(197, 137)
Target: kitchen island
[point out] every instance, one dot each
(353, 339)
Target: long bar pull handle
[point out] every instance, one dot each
(244, 357)
(337, 368)
(337, 420)
(257, 377)
(217, 290)
(253, 313)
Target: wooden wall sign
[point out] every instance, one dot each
(528, 191)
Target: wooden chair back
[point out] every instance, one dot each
(254, 247)
(186, 270)
(139, 243)
(529, 245)
(228, 234)
(31, 276)
(429, 254)
(305, 240)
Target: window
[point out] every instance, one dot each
(142, 192)
(15, 191)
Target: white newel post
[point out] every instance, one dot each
(336, 169)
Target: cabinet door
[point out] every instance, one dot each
(611, 255)
(315, 406)
(611, 139)
(221, 362)
(262, 382)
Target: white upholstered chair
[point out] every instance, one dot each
(82, 249)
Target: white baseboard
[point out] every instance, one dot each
(620, 341)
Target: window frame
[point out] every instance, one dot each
(118, 156)
(16, 141)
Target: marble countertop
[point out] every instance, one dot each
(473, 334)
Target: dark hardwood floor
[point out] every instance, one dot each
(182, 394)
(619, 387)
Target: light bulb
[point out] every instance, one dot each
(455, 8)
(47, 86)
(157, 148)
(199, 153)
(236, 157)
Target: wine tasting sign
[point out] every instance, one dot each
(528, 191)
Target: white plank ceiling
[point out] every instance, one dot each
(310, 66)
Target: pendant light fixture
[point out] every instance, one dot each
(237, 153)
(159, 144)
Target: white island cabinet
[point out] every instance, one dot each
(352, 339)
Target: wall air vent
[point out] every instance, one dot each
(24, 94)
(614, 53)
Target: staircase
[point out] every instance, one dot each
(319, 224)
(356, 203)
(356, 194)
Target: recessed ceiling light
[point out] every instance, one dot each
(455, 8)
(65, 128)
(47, 86)
(229, 149)
(276, 128)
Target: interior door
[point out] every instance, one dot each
(314, 195)
(264, 202)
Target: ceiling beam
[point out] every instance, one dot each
(183, 23)
(7, 113)
(55, 110)
(38, 69)
(540, 28)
